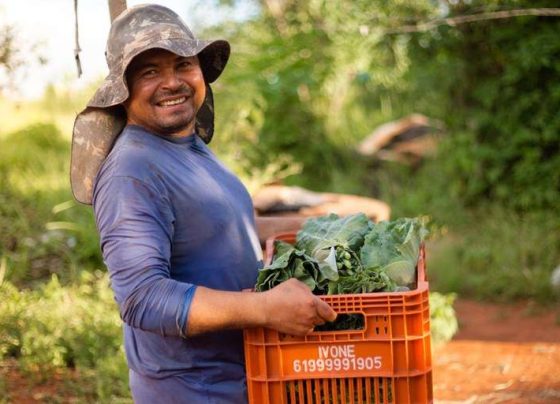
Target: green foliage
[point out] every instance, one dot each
(48, 243)
(443, 322)
(32, 151)
(15, 54)
(288, 263)
(488, 251)
(305, 80)
(75, 326)
(10, 59)
(499, 80)
(343, 255)
(327, 231)
(42, 231)
(505, 256)
(308, 79)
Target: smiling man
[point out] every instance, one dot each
(176, 228)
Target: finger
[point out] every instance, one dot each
(325, 311)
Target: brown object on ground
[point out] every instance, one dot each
(407, 140)
(503, 353)
(344, 205)
(282, 200)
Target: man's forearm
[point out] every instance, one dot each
(213, 310)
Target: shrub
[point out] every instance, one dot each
(443, 322)
(495, 84)
(71, 327)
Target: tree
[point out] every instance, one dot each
(9, 58)
(14, 56)
(308, 80)
(496, 85)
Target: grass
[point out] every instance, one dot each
(500, 255)
(17, 116)
(42, 230)
(58, 106)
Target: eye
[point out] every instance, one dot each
(185, 64)
(149, 73)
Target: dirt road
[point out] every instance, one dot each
(502, 354)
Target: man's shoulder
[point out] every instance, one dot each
(135, 155)
(134, 151)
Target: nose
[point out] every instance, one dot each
(171, 79)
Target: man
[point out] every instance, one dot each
(176, 228)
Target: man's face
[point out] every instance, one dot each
(166, 91)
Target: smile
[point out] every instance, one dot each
(169, 103)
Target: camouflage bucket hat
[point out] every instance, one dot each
(136, 30)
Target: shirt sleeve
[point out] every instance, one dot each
(136, 228)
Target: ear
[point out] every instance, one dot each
(200, 94)
(126, 104)
(205, 117)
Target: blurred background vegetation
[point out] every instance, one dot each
(307, 81)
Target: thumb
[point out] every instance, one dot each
(325, 311)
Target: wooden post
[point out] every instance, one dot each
(116, 7)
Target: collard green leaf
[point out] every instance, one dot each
(309, 281)
(401, 271)
(281, 247)
(328, 231)
(288, 262)
(327, 266)
(362, 282)
(394, 247)
(328, 239)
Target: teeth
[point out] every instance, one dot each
(172, 102)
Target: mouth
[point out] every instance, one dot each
(171, 102)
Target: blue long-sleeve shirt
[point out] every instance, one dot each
(172, 217)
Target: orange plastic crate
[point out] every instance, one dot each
(388, 361)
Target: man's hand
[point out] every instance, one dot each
(291, 308)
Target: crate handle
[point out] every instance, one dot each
(352, 319)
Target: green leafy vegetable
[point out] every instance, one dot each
(289, 262)
(335, 255)
(393, 247)
(324, 231)
(333, 241)
(362, 282)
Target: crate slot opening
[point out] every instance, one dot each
(331, 391)
(344, 322)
